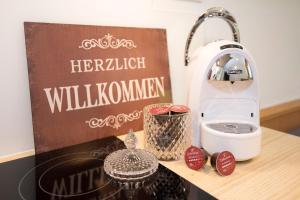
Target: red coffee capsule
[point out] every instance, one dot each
(195, 158)
(179, 109)
(223, 162)
(160, 110)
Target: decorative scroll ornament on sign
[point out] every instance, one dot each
(114, 121)
(107, 41)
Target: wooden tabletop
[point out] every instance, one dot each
(274, 174)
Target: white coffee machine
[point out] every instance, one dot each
(223, 93)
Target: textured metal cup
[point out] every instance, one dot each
(167, 136)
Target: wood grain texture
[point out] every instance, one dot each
(274, 174)
(283, 117)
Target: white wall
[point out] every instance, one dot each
(270, 30)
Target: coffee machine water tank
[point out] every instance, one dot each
(223, 94)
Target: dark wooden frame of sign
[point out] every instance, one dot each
(89, 82)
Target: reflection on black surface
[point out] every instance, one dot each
(168, 185)
(77, 178)
(77, 173)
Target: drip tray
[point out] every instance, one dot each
(236, 128)
(242, 139)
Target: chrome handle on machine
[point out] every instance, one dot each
(210, 13)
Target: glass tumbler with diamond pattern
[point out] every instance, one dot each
(167, 136)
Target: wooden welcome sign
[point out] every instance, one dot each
(90, 82)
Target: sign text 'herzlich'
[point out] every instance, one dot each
(90, 82)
